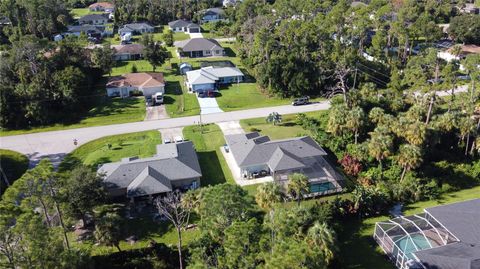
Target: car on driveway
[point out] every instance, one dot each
(178, 139)
(206, 94)
(167, 141)
(304, 100)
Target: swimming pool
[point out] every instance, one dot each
(321, 187)
(408, 247)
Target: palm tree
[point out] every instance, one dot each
(376, 115)
(108, 228)
(415, 133)
(274, 118)
(337, 119)
(297, 185)
(466, 125)
(446, 122)
(355, 121)
(380, 145)
(320, 236)
(409, 156)
(268, 195)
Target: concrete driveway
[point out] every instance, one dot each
(195, 35)
(208, 105)
(231, 127)
(156, 113)
(236, 171)
(171, 133)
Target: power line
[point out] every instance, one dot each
(374, 70)
(375, 79)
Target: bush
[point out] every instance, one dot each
(253, 129)
(134, 69)
(136, 93)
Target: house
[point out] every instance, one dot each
(128, 52)
(230, 3)
(255, 155)
(89, 30)
(175, 166)
(448, 55)
(184, 68)
(93, 19)
(184, 26)
(469, 8)
(102, 6)
(148, 83)
(136, 28)
(199, 47)
(208, 78)
(212, 14)
(442, 237)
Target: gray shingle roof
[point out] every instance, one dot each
(149, 181)
(453, 256)
(197, 44)
(461, 219)
(252, 149)
(173, 162)
(92, 17)
(86, 28)
(213, 11)
(136, 26)
(183, 23)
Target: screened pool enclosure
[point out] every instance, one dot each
(401, 237)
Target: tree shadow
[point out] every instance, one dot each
(229, 52)
(173, 88)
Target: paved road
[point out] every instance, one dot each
(56, 144)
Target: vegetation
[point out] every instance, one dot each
(12, 166)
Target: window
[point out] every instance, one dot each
(207, 52)
(217, 52)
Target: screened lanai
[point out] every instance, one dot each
(401, 237)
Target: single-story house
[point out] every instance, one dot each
(89, 30)
(230, 3)
(184, 26)
(448, 55)
(148, 83)
(442, 237)
(102, 6)
(208, 78)
(136, 28)
(184, 68)
(93, 19)
(175, 166)
(199, 47)
(212, 14)
(128, 52)
(255, 154)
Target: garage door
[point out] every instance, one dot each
(194, 30)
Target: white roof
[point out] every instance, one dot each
(211, 74)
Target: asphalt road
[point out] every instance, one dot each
(57, 144)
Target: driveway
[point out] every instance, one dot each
(236, 171)
(171, 133)
(231, 127)
(195, 35)
(208, 105)
(156, 113)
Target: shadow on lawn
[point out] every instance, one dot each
(212, 173)
(113, 106)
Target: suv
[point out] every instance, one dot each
(304, 100)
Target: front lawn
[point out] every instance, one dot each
(207, 144)
(125, 67)
(246, 95)
(96, 152)
(14, 165)
(286, 129)
(359, 250)
(80, 12)
(107, 111)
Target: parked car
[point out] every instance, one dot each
(178, 139)
(148, 101)
(226, 148)
(167, 141)
(206, 94)
(304, 100)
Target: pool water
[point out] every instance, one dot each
(321, 187)
(407, 247)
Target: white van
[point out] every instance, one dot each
(157, 98)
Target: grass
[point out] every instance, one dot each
(357, 246)
(207, 31)
(13, 164)
(207, 144)
(80, 12)
(286, 129)
(96, 152)
(107, 111)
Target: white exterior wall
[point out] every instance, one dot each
(152, 90)
(120, 91)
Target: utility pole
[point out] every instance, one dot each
(201, 123)
(355, 76)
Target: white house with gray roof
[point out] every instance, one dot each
(208, 78)
(136, 28)
(184, 26)
(258, 155)
(175, 166)
(93, 19)
(199, 47)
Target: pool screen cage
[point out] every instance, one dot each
(402, 236)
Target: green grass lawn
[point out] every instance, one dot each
(207, 31)
(93, 153)
(359, 250)
(286, 129)
(246, 95)
(107, 111)
(207, 144)
(13, 164)
(80, 12)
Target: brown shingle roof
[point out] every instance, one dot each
(468, 49)
(149, 79)
(101, 4)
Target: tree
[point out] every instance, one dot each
(355, 121)
(380, 145)
(108, 225)
(102, 58)
(241, 245)
(267, 195)
(155, 54)
(274, 118)
(321, 237)
(297, 186)
(84, 190)
(409, 157)
(168, 38)
(178, 213)
(465, 28)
